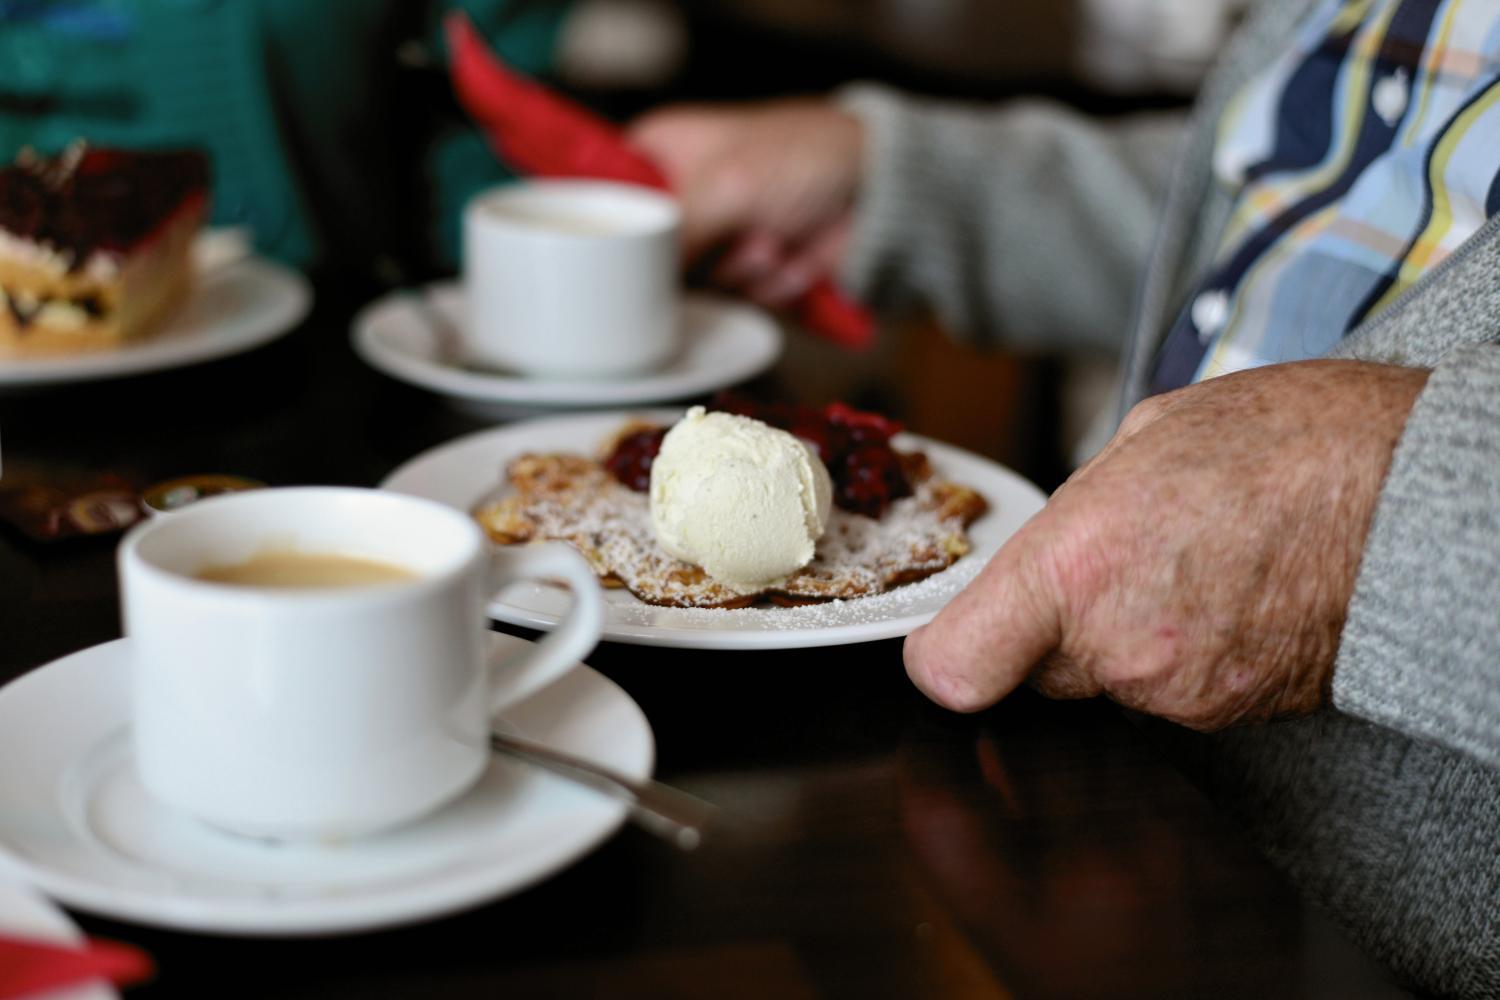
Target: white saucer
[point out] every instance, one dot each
(724, 342)
(231, 309)
(77, 825)
(25, 914)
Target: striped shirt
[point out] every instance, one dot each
(1359, 160)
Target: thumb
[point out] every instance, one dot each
(985, 642)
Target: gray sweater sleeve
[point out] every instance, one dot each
(1024, 222)
(1421, 645)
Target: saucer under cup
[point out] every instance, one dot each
(78, 825)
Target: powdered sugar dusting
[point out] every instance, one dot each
(923, 598)
(573, 499)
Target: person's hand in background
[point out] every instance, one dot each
(766, 189)
(1200, 568)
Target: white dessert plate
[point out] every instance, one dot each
(464, 471)
(231, 309)
(724, 342)
(25, 914)
(78, 826)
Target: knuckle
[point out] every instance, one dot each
(1143, 413)
(1077, 565)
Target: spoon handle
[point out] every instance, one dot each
(661, 809)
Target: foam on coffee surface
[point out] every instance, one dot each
(292, 569)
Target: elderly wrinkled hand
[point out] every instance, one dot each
(1200, 567)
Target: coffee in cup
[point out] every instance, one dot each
(292, 569)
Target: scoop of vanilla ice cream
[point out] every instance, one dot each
(743, 500)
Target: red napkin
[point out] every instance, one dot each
(29, 967)
(541, 132)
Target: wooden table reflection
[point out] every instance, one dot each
(872, 844)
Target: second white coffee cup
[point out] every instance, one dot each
(571, 279)
(328, 712)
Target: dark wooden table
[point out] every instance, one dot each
(873, 844)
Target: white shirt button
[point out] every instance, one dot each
(1390, 97)
(1209, 313)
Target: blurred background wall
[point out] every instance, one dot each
(1116, 49)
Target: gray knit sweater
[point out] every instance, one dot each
(1034, 221)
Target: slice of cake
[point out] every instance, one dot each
(94, 245)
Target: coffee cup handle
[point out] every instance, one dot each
(575, 635)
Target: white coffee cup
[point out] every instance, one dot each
(571, 278)
(326, 713)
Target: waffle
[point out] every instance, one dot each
(573, 498)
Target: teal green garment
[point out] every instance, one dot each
(320, 143)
